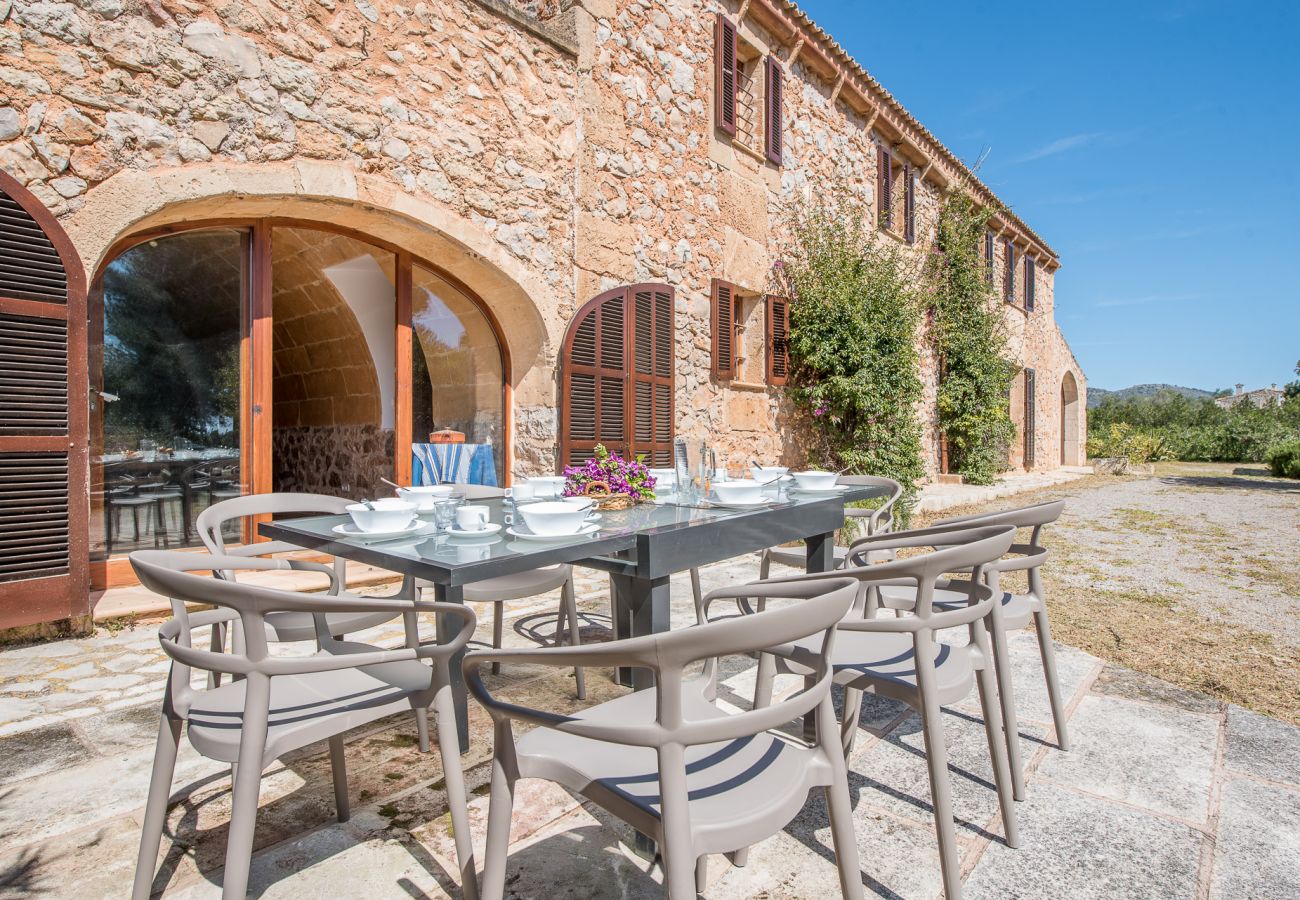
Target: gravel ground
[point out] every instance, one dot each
(1192, 575)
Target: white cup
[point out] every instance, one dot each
(521, 491)
(547, 487)
(472, 518)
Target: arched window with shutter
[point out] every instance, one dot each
(617, 369)
(44, 498)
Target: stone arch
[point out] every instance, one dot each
(133, 201)
(1070, 448)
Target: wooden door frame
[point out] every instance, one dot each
(58, 597)
(256, 358)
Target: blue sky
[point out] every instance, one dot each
(1154, 145)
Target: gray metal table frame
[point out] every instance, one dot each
(640, 561)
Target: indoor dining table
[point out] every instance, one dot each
(640, 548)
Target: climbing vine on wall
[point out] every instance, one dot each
(854, 321)
(967, 336)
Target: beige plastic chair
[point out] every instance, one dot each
(284, 626)
(1014, 612)
(900, 657)
(878, 520)
(668, 761)
(279, 704)
(521, 586)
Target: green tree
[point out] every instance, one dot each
(853, 337)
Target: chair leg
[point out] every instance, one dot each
(498, 610)
(1010, 719)
(696, 593)
(849, 726)
(701, 874)
(676, 851)
(243, 812)
(993, 728)
(500, 809)
(838, 805)
(339, 767)
(936, 760)
(422, 728)
(454, 777)
(569, 611)
(155, 810)
(1048, 654)
(764, 565)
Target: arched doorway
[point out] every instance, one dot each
(246, 356)
(618, 361)
(1069, 420)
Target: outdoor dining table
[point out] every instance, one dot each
(640, 548)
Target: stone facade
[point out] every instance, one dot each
(538, 152)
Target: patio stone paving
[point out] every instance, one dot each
(1167, 792)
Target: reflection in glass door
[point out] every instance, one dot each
(169, 401)
(334, 313)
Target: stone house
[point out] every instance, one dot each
(1261, 397)
(271, 244)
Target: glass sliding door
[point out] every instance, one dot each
(334, 314)
(169, 400)
(457, 375)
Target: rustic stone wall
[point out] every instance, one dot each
(537, 178)
(344, 460)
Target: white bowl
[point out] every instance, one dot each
(424, 496)
(586, 503)
(387, 515)
(553, 517)
(764, 474)
(546, 487)
(816, 480)
(742, 490)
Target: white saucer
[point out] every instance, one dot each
(738, 505)
(487, 531)
(826, 490)
(589, 528)
(349, 529)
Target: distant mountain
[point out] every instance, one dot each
(1096, 395)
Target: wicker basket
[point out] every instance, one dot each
(599, 493)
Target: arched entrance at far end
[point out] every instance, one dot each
(1069, 420)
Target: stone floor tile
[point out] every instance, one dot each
(1073, 667)
(1257, 853)
(132, 727)
(1159, 758)
(32, 753)
(73, 673)
(94, 862)
(1082, 848)
(1262, 746)
(1118, 681)
(23, 687)
(108, 682)
(12, 709)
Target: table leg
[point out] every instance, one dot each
(448, 626)
(821, 558)
(642, 606)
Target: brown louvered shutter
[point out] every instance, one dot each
(725, 61)
(989, 256)
(617, 381)
(1029, 283)
(722, 301)
(652, 373)
(909, 203)
(1009, 277)
(1030, 417)
(773, 109)
(44, 421)
(885, 186)
(778, 339)
(595, 379)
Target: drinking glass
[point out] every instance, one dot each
(444, 511)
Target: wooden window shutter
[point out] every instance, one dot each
(885, 186)
(1009, 277)
(909, 203)
(778, 339)
(723, 326)
(989, 255)
(44, 416)
(1030, 418)
(773, 109)
(725, 60)
(1029, 283)
(617, 376)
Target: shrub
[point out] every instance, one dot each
(1284, 459)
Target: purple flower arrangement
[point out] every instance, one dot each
(613, 471)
